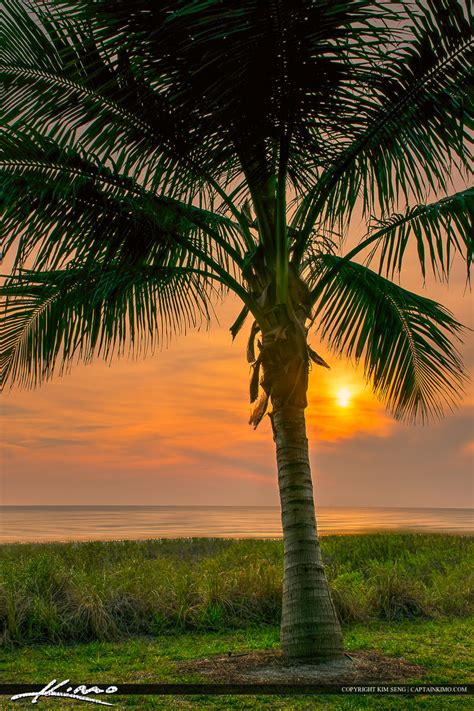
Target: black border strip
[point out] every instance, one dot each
(256, 689)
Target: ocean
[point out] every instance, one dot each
(41, 524)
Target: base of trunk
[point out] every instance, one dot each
(310, 630)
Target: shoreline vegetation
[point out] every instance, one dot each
(149, 611)
(63, 593)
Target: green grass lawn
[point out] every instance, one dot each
(134, 611)
(442, 647)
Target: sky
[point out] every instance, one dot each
(172, 429)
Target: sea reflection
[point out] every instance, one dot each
(76, 523)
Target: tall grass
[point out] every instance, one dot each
(103, 591)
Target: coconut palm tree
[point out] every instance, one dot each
(155, 156)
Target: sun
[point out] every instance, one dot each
(343, 397)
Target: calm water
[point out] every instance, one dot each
(75, 523)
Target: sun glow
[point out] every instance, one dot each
(343, 397)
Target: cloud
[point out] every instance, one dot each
(173, 428)
(415, 466)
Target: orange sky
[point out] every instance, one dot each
(172, 429)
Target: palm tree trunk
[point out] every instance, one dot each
(310, 628)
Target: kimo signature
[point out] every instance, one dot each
(55, 689)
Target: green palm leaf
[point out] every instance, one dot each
(440, 230)
(60, 205)
(63, 316)
(404, 340)
(414, 123)
(170, 136)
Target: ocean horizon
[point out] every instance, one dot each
(47, 524)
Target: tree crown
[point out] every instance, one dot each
(154, 155)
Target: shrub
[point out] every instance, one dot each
(102, 591)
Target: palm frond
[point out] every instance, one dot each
(404, 340)
(60, 205)
(132, 131)
(206, 91)
(244, 71)
(440, 230)
(70, 88)
(414, 121)
(51, 319)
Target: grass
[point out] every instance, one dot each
(132, 611)
(440, 645)
(106, 591)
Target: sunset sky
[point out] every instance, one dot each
(172, 429)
